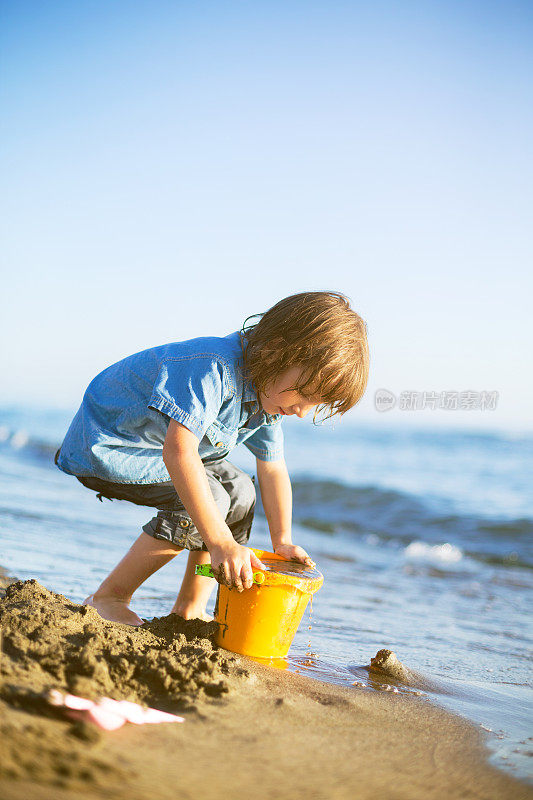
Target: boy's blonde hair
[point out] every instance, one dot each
(319, 332)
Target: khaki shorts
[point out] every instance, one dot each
(233, 491)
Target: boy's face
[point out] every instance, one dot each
(280, 397)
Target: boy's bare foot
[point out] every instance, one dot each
(113, 610)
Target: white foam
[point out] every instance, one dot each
(436, 554)
(19, 439)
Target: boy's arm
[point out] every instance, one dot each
(232, 561)
(276, 494)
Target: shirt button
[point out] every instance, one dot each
(219, 444)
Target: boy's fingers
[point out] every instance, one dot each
(256, 563)
(222, 574)
(247, 576)
(235, 576)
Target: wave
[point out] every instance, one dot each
(336, 505)
(21, 442)
(389, 515)
(332, 508)
(436, 554)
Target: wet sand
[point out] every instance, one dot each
(250, 730)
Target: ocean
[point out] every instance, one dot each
(425, 540)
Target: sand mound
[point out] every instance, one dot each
(49, 642)
(388, 663)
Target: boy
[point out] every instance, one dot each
(156, 427)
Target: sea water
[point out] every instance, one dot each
(424, 539)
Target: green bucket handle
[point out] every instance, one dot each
(207, 571)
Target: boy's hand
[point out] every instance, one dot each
(233, 565)
(294, 553)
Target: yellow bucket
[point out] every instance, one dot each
(263, 620)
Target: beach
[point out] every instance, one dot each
(249, 729)
(432, 561)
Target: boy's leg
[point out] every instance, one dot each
(195, 589)
(166, 535)
(145, 556)
(234, 494)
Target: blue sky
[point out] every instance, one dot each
(171, 168)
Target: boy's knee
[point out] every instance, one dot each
(242, 510)
(245, 490)
(233, 491)
(220, 496)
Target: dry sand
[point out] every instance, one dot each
(250, 730)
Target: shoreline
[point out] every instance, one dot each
(248, 728)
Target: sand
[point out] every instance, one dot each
(249, 730)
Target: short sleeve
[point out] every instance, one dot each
(191, 391)
(267, 442)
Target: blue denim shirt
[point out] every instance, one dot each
(119, 430)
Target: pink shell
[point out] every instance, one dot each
(110, 714)
(78, 703)
(153, 715)
(105, 719)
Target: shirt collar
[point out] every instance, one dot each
(248, 394)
